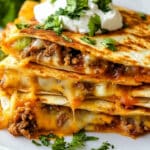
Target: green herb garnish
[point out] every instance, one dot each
(74, 8)
(22, 43)
(44, 140)
(52, 136)
(79, 139)
(59, 144)
(52, 1)
(110, 44)
(142, 16)
(88, 40)
(105, 146)
(2, 55)
(9, 10)
(36, 143)
(38, 26)
(53, 23)
(22, 25)
(66, 38)
(103, 4)
(94, 24)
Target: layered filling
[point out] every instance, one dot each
(32, 105)
(75, 91)
(31, 121)
(65, 58)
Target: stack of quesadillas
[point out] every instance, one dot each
(52, 84)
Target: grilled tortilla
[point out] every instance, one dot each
(75, 88)
(130, 60)
(50, 85)
(32, 117)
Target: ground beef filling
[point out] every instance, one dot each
(134, 126)
(56, 55)
(24, 123)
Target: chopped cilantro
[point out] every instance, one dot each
(2, 55)
(103, 4)
(52, 1)
(66, 38)
(44, 140)
(94, 24)
(59, 144)
(74, 8)
(22, 25)
(79, 139)
(78, 142)
(110, 44)
(105, 146)
(142, 16)
(53, 23)
(53, 136)
(38, 26)
(88, 40)
(22, 43)
(36, 143)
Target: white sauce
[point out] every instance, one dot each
(111, 20)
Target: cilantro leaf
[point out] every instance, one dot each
(109, 43)
(66, 38)
(22, 25)
(44, 140)
(36, 143)
(71, 5)
(59, 144)
(105, 146)
(54, 23)
(22, 43)
(2, 54)
(52, 1)
(79, 140)
(94, 24)
(88, 40)
(74, 8)
(103, 4)
(53, 136)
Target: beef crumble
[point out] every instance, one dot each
(56, 55)
(24, 122)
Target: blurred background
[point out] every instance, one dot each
(9, 8)
(139, 5)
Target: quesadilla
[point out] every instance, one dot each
(76, 88)
(34, 117)
(63, 101)
(130, 61)
(60, 84)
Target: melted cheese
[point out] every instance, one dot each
(69, 88)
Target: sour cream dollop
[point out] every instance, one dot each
(111, 20)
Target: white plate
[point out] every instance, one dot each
(8, 142)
